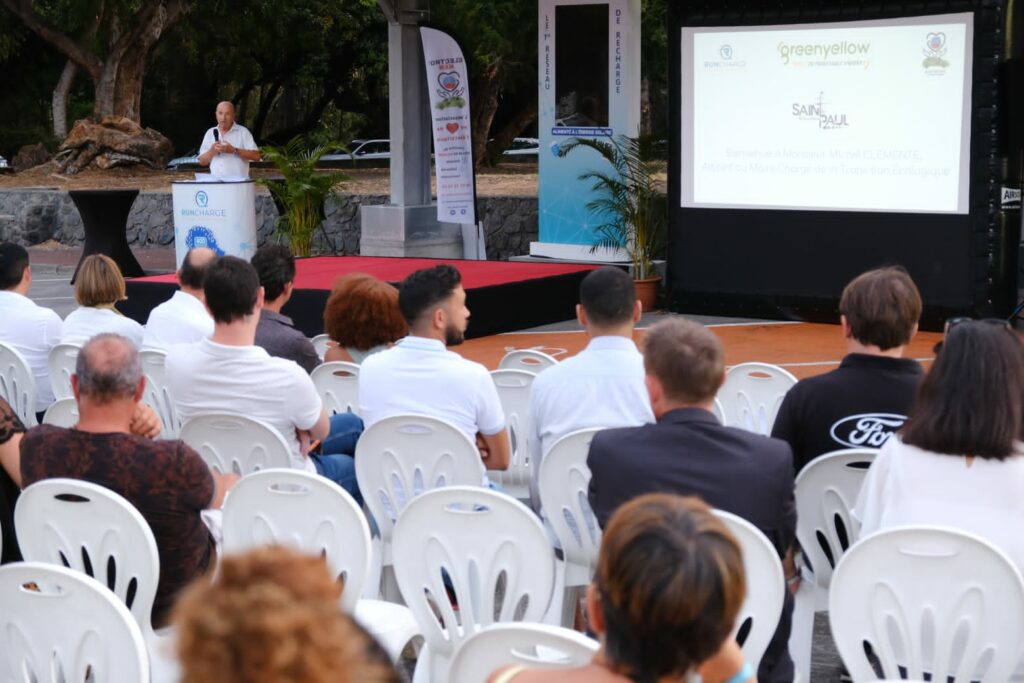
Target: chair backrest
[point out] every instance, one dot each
(320, 342)
(157, 395)
(826, 490)
(306, 512)
(514, 393)
(17, 384)
(526, 359)
(564, 479)
(400, 456)
(57, 625)
(235, 443)
(91, 529)
(338, 385)
(61, 364)
(752, 393)
(538, 646)
(490, 550)
(766, 587)
(928, 600)
(62, 413)
(717, 410)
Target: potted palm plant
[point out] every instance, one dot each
(629, 205)
(301, 190)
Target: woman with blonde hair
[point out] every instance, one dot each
(362, 318)
(272, 616)
(99, 285)
(667, 590)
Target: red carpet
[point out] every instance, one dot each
(502, 296)
(320, 272)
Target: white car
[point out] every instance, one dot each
(523, 147)
(363, 149)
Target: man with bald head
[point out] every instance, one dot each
(182, 319)
(228, 147)
(165, 480)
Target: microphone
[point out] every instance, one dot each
(216, 135)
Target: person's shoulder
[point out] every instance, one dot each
(40, 434)
(610, 439)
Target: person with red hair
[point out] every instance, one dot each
(362, 318)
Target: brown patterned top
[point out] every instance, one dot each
(9, 426)
(166, 480)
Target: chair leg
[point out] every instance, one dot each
(802, 633)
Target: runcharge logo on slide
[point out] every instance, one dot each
(842, 48)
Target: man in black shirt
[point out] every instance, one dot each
(868, 397)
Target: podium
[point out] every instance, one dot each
(220, 215)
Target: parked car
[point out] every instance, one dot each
(3, 163)
(523, 147)
(363, 150)
(188, 162)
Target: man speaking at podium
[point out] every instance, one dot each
(228, 147)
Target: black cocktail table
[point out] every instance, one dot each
(105, 217)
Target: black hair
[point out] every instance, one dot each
(190, 275)
(231, 288)
(608, 296)
(426, 289)
(275, 266)
(13, 262)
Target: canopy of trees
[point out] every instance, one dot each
(313, 67)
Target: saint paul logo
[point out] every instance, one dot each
(821, 112)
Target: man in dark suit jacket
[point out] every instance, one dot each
(688, 452)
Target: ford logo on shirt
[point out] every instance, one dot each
(868, 430)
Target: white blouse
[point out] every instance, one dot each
(86, 322)
(908, 485)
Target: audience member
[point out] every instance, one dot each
(275, 332)
(602, 385)
(11, 432)
(182, 319)
(867, 398)
(99, 285)
(689, 452)
(272, 616)
(32, 330)
(959, 460)
(166, 480)
(418, 375)
(666, 593)
(362, 318)
(228, 372)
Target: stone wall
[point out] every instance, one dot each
(31, 216)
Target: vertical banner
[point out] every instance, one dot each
(588, 87)
(448, 85)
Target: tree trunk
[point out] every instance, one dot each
(266, 103)
(128, 88)
(646, 125)
(486, 89)
(59, 101)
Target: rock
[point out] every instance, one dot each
(114, 141)
(30, 156)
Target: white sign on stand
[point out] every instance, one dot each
(218, 215)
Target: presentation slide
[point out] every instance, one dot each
(857, 116)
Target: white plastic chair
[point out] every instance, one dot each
(236, 443)
(338, 385)
(493, 551)
(563, 482)
(320, 344)
(62, 413)
(57, 625)
(17, 384)
(717, 410)
(526, 359)
(401, 456)
(61, 365)
(514, 393)
(311, 514)
(157, 395)
(766, 587)
(537, 646)
(751, 395)
(826, 490)
(95, 531)
(928, 600)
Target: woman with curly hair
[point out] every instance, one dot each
(272, 616)
(11, 431)
(667, 589)
(99, 285)
(362, 318)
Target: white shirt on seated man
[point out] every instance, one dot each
(419, 375)
(32, 330)
(182, 319)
